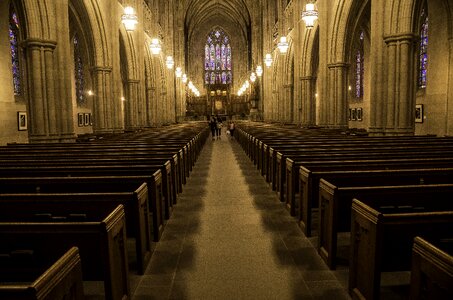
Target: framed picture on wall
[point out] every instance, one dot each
(353, 114)
(80, 120)
(359, 114)
(350, 114)
(22, 120)
(418, 113)
(86, 119)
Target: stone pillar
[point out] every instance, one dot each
(399, 106)
(449, 104)
(131, 105)
(41, 100)
(103, 117)
(288, 103)
(150, 115)
(274, 106)
(64, 73)
(337, 102)
(308, 101)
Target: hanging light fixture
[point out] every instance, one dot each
(170, 62)
(283, 45)
(259, 71)
(268, 60)
(129, 19)
(178, 72)
(253, 77)
(309, 15)
(184, 78)
(155, 46)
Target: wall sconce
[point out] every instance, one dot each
(259, 71)
(178, 72)
(155, 46)
(184, 78)
(268, 60)
(129, 19)
(309, 15)
(170, 62)
(90, 93)
(283, 45)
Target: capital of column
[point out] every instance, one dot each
(133, 81)
(399, 37)
(307, 78)
(38, 43)
(101, 69)
(288, 86)
(338, 65)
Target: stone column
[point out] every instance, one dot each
(64, 73)
(288, 103)
(41, 100)
(449, 103)
(150, 117)
(103, 117)
(337, 102)
(131, 105)
(399, 103)
(308, 101)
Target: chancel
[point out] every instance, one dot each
(226, 149)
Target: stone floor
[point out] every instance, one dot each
(230, 238)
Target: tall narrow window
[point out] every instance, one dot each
(423, 54)
(78, 72)
(359, 68)
(217, 58)
(13, 40)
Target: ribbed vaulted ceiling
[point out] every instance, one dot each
(201, 12)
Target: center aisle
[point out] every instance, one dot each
(230, 238)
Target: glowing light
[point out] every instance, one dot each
(155, 46)
(283, 45)
(309, 15)
(259, 71)
(268, 60)
(129, 19)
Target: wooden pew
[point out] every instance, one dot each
(432, 269)
(83, 193)
(151, 174)
(405, 174)
(100, 237)
(175, 154)
(165, 165)
(290, 170)
(26, 277)
(382, 234)
(336, 200)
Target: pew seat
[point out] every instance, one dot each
(432, 269)
(26, 276)
(100, 237)
(382, 235)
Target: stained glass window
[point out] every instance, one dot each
(13, 40)
(78, 72)
(217, 58)
(423, 55)
(359, 68)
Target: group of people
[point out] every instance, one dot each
(216, 124)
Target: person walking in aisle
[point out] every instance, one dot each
(232, 126)
(213, 127)
(219, 128)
